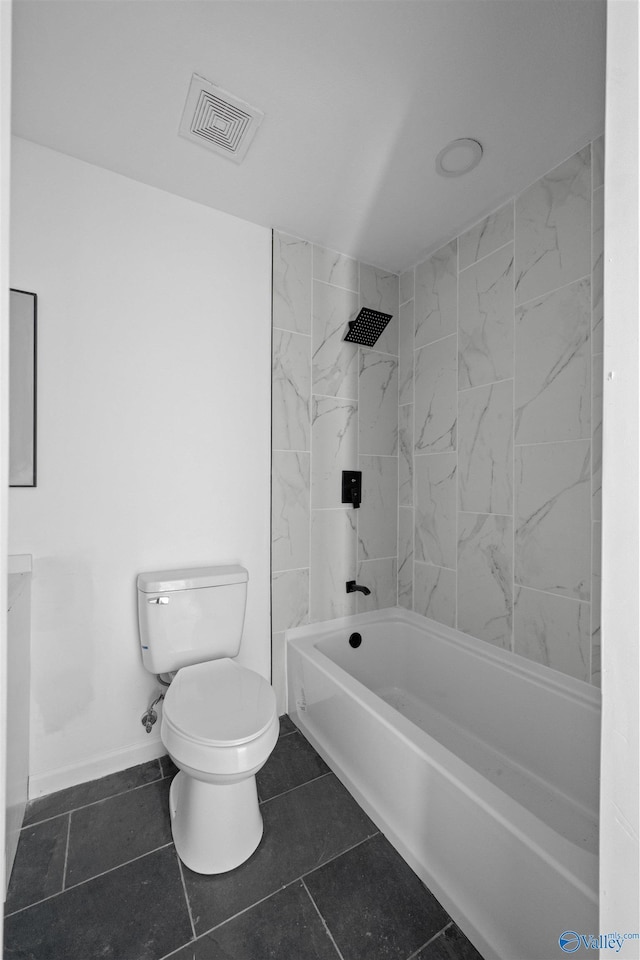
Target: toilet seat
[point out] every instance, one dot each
(219, 703)
(219, 720)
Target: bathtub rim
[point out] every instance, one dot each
(587, 693)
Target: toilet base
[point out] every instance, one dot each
(215, 827)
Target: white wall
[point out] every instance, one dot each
(619, 795)
(5, 156)
(153, 437)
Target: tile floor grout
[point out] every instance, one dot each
(284, 886)
(323, 921)
(415, 953)
(66, 853)
(81, 883)
(186, 897)
(92, 803)
(276, 796)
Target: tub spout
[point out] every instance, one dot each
(352, 586)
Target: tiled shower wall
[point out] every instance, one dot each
(335, 407)
(500, 424)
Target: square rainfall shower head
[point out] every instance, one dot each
(367, 326)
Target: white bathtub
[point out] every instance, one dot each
(479, 766)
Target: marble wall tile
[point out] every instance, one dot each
(333, 562)
(485, 237)
(485, 448)
(405, 557)
(597, 272)
(436, 398)
(405, 368)
(405, 464)
(382, 579)
(291, 391)
(598, 162)
(485, 577)
(335, 268)
(334, 439)
(379, 290)
(279, 671)
(436, 295)
(553, 229)
(552, 500)
(407, 285)
(435, 509)
(291, 283)
(378, 404)
(552, 630)
(290, 510)
(596, 549)
(553, 366)
(434, 593)
(290, 599)
(596, 445)
(485, 325)
(335, 363)
(378, 513)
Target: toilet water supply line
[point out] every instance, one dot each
(150, 716)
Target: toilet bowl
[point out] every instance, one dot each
(219, 726)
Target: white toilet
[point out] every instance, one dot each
(219, 720)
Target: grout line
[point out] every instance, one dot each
(295, 333)
(439, 340)
(485, 256)
(546, 443)
(186, 896)
(289, 883)
(434, 937)
(81, 883)
(547, 293)
(549, 593)
(289, 450)
(330, 283)
(66, 854)
(91, 803)
(322, 920)
(479, 386)
(297, 786)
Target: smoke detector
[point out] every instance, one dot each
(218, 121)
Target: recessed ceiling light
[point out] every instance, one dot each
(458, 157)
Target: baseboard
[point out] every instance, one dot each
(91, 769)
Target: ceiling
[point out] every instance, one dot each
(359, 97)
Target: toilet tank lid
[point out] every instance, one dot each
(191, 578)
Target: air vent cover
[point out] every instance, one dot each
(217, 120)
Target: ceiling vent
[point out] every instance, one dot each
(218, 121)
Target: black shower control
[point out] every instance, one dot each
(352, 487)
(355, 640)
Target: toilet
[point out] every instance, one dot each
(219, 719)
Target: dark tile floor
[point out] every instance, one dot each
(96, 876)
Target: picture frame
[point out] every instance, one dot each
(23, 348)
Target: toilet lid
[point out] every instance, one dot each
(219, 702)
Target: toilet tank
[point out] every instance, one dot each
(191, 615)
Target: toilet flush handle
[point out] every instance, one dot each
(158, 600)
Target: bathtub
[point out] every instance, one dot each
(479, 766)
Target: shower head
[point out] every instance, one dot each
(367, 326)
